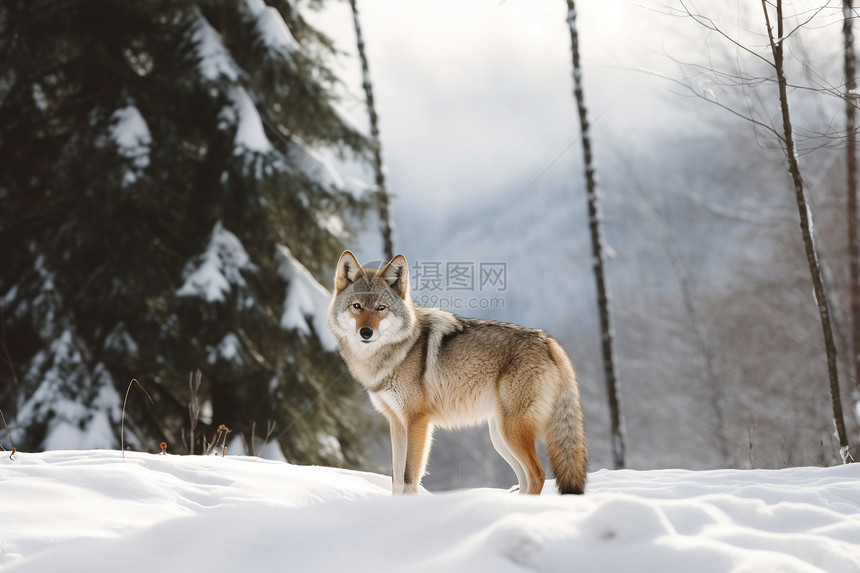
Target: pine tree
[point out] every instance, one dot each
(160, 186)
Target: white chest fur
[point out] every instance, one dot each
(388, 399)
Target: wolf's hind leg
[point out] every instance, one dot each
(504, 451)
(520, 437)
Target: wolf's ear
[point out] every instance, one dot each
(348, 269)
(396, 274)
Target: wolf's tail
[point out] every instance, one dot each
(565, 435)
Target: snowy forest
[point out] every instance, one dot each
(178, 179)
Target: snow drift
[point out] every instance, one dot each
(96, 511)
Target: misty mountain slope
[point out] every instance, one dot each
(701, 230)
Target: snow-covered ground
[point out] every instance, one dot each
(95, 511)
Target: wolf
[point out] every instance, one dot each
(425, 367)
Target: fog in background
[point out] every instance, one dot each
(480, 141)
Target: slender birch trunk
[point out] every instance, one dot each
(595, 223)
(386, 217)
(776, 45)
(851, 171)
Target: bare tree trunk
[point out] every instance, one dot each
(386, 218)
(595, 223)
(851, 169)
(776, 45)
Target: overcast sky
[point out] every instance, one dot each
(475, 98)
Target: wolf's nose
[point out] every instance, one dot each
(366, 332)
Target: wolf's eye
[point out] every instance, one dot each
(380, 308)
(356, 306)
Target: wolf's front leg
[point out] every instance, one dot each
(398, 454)
(418, 447)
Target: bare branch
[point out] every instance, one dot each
(122, 424)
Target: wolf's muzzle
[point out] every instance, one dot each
(366, 333)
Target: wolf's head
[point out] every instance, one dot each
(371, 305)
